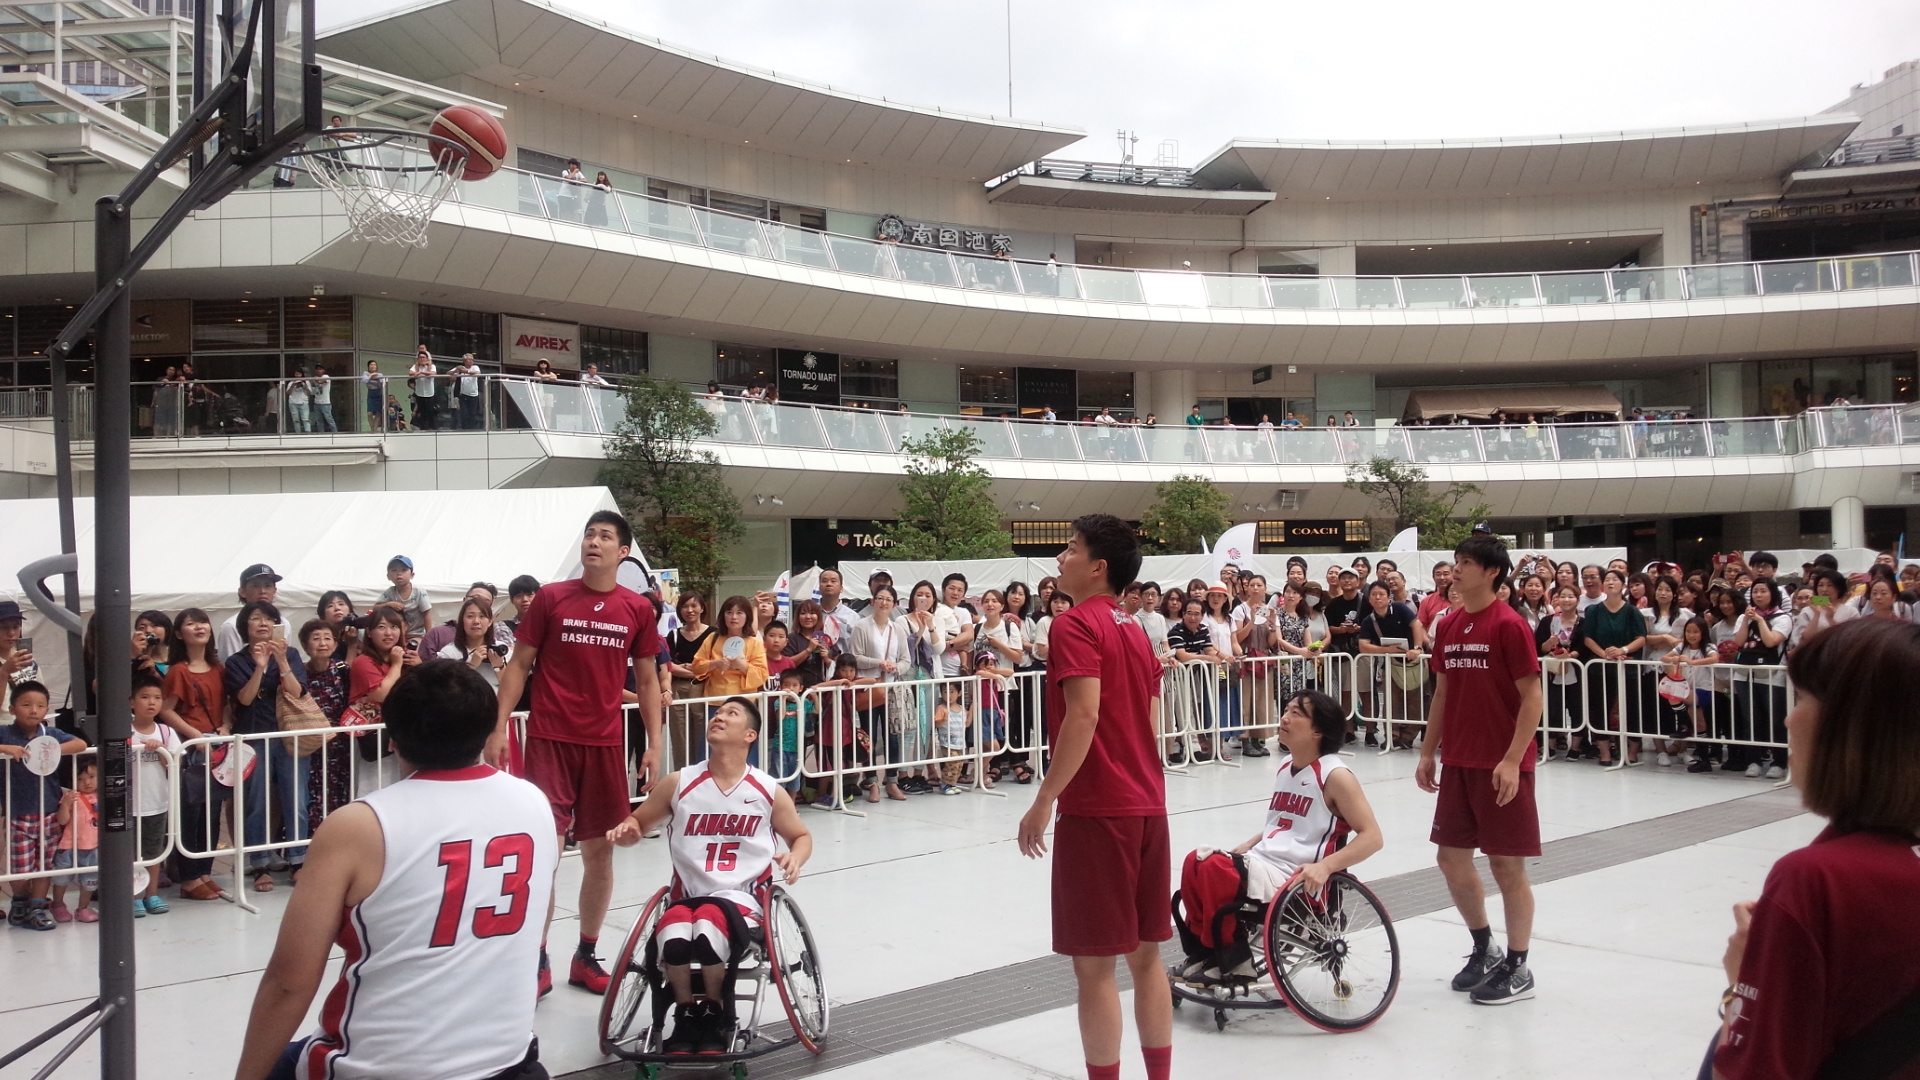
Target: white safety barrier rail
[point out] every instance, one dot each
(1209, 707)
(59, 856)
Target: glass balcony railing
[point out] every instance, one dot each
(642, 215)
(353, 406)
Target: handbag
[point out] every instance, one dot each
(1756, 652)
(302, 713)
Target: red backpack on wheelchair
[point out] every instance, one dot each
(1212, 892)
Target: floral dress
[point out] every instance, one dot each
(1294, 674)
(331, 786)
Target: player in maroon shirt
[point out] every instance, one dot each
(1823, 971)
(1486, 706)
(575, 643)
(1112, 869)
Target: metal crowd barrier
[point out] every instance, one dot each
(21, 805)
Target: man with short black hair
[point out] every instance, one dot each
(1486, 707)
(1112, 870)
(1591, 592)
(434, 885)
(572, 649)
(953, 625)
(1764, 564)
(839, 617)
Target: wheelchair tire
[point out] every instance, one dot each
(794, 960)
(1334, 959)
(626, 1020)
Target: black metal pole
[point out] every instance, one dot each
(62, 407)
(113, 614)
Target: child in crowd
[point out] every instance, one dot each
(796, 717)
(950, 731)
(407, 598)
(34, 805)
(155, 748)
(1695, 654)
(79, 815)
(774, 639)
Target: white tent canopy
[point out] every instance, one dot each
(189, 549)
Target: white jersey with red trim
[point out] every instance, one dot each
(722, 842)
(442, 958)
(1301, 827)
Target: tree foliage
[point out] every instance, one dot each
(1400, 489)
(946, 502)
(674, 494)
(1186, 510)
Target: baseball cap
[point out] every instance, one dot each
(402, 560)
(9, 610)
(258, 570)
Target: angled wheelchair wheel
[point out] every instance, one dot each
(794, 960)
(626, 1014)
(1333, 956)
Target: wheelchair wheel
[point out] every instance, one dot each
(626, 1017)
(794, 960)
(1334, 957)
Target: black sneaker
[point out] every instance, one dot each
(1699, 765)
(1371, 741)
(715, 1030)
(1481, 964)
(1507, 983)
(1201, 755)
(683, 1040)
(1177, 757)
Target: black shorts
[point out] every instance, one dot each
(153, 836)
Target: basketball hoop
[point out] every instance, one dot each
(388, 181)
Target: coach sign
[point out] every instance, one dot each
(531, 340)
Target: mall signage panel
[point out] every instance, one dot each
(805, 375)
(531, 340)
(826, 541)
(896, 230)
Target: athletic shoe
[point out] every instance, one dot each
(1202, 755)
(1371, 741)
(156, 906)
(1665, 759)
(949, 789)
(18, 911)
(1481, 963)
(60, 912)
(1775, 772)
(1753, 771)
(682, 1041)
(545, 977)
(1178, 757)
(715, 1032)
(1190, 971)
(587, 974)
(39, 916)
(1507, 983)
(1699, 765)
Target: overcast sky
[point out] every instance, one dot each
(1203, 71)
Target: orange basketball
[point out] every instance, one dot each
(479, 132)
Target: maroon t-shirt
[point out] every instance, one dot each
(1121, 776)
(586, 640)
(1831, 949)
(1483, 654)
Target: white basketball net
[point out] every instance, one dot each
(388, 181)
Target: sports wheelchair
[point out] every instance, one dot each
(1330, 956)
(779, 955)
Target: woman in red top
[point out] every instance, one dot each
(1822, 966)
(383, 656)
(194, 706)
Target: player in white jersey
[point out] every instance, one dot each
(1318, 822)
(436, 888)
(722, 817)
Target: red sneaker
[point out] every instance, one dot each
(587, 974)
(546, 976)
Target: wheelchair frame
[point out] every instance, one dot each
(1328, 953)
(637, 994)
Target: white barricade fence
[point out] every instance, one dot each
(1394, 690)
(1208, 706)
(1733, 712)
(39, 844)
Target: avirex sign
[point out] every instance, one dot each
(532, 340)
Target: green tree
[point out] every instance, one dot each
(1186, 510)
(946, 502)
(682, 511)
(1400, 490)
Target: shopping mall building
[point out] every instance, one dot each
(859, 255)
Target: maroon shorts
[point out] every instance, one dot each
(585, 785)
(1111, 880)
(1466, 816)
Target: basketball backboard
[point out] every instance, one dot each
(272, 42)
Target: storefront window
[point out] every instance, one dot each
(319, 322)
(454, 332)
(1106, 389)
(618, 352)
(248, 324)
(742, 365)
(868, 380)
(987, 386)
